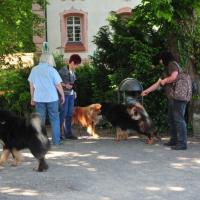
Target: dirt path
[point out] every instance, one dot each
(102, 169)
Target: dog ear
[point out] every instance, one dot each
(134, 113)
(98, 106)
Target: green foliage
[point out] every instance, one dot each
(83, 85)
(125, 51)
(91, 86)
(16, 24)
(129, 47)
(15, 85)
(59, 61)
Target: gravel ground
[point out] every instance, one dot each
(102, 169)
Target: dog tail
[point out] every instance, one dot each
(36, 122)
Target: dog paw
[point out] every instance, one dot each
(1, 164)
(14, 164)
(149, 141)
(95, 136)
(36, 169)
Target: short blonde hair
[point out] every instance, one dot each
(47, 58)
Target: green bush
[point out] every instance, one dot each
(59, 60)
(93, 86)
(123, 50)
(84, 85)
(15, 85)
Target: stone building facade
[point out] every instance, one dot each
(72, 24)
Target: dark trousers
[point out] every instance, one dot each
(66, 114)
(176, 121)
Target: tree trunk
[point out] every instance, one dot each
(194, 105)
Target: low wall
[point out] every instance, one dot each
(18, 60)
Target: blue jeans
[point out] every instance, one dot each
(176, 120)
(66, 114)
(52, 109)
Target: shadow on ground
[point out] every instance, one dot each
(103, 169)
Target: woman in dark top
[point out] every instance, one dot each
(68, 76)
(176, 108)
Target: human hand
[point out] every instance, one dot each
(62, 99)
(68, 86)
(32, 103)
(162, 82)
(144, 93)
(75, 95)
(159, 81)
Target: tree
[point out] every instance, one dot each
(129, 46)
(16, 24)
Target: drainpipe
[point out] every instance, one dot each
(45, 17)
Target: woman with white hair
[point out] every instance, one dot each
(47, 58)
(44, 83)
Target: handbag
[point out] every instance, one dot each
(182, 87)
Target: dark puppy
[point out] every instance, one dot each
(19, 133)
(129, 117)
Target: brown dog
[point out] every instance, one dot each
(87, 117)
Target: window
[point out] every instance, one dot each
(74, 31)
(125, 11)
